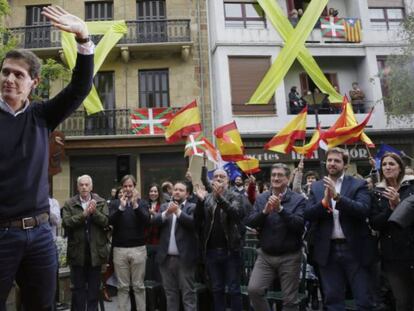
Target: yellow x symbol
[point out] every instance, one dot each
(112, 31)
(294, 48)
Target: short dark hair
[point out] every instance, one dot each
(183, 183)
(283, 166)
(343, 152)
(126, 177)
(28, 57)
(311, 173)
(399, 161)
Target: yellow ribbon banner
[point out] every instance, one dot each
(113, 32)
(294, 48)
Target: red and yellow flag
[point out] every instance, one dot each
(249, 165)
(184, 122)
(296, 129)
(346, 135)
(346, 120)
(229, 142)
(308, 149)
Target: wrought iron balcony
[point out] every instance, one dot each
(107, 122)
(46, 36)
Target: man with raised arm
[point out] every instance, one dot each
(27, 251)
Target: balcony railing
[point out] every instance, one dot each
(46, 36)
(107, 122)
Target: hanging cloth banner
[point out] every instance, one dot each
(113, 32)
(295, 39)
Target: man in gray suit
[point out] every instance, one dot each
(177, 253)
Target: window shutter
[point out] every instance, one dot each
(246, 73)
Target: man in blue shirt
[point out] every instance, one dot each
(27, 251)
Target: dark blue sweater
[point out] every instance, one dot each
(24, 150)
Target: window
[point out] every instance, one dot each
(37, 35)
(151, 21)
(103, 123)
(386, 17)
(246, 73)
(99, 11)
(153, 88)
(151, 10)
(383, 70)
(244, 15)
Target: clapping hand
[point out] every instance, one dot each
(273, 204)
(172, 207)
(90, 209)
(393, 196)
(66, 21)
(218, 189)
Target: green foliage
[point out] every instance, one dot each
(399, 74)
(51, 71)
(7, 43)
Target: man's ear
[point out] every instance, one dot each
(36, 82)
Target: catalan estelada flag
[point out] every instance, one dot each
(353, 30)
(346, 120)
(308, 149)
(295, 130)
(183, 123)
(346, 135)
(249, 165)
(229, 142)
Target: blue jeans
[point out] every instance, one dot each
(342, 267)
(224, 268)
(29, 256)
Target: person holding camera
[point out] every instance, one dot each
(396, 242)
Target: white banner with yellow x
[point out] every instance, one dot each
(295, 39)
(113, 32)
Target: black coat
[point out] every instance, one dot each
(185, 234)
(396, 243)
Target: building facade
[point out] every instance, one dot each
(244, 44)
(162, 61)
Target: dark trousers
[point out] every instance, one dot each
(29, 256)
(343, 267)
(401, 278)
(224, 268)
(85, 287)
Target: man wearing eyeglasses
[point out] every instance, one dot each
(278, 217)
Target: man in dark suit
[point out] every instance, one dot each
(338, 208)
(177, 253)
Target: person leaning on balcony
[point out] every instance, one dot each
(357, 98)
(27, 251)
(128, 241)
(85, 218)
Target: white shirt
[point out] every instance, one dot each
(172, 244)
(337, 232)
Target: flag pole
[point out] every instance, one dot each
(191, 160)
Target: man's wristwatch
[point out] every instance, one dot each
(337, 197)
(82, 40)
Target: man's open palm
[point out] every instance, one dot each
(65, 21)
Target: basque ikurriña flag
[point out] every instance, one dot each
(333, 27)
(150, 121)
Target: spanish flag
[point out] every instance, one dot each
(249, 165)
(346, 135)
(296, 129)
(183, 123)
(346, 120)
(229, 142)
(308, 149)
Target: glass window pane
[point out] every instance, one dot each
(157, 82)
(157, 99)
(164, 100)
(253, 10)
(150, 78)
(395, 14)
(234, 24)
(233, 9)
(376, 14)
(164, 85)
(142, 84)
(254, 24)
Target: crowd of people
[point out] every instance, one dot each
(354, 236)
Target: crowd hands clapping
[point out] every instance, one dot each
(289, 222)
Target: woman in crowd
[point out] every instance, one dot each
(397, 243)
